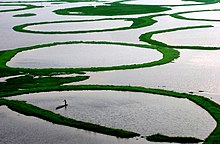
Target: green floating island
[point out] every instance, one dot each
(113, 9)
(25, 15)
(164, 138)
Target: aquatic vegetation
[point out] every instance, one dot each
(27, 81)
(210, 106)
(168, 56)
(41, 80)
(164, 138)
(147, 37)
(137, 23)
(112, 9)
(205, 1)
(30, 110)
(25, 15)
(26, 7)
(179, 16)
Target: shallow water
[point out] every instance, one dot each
(143, 113)
(83, 55)
(191, 37)
(20, 129)
(81, 26)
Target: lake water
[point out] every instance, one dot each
(81, 26)
(139, 112)
(194, 71)
(17, 128)
(191, 37)
(209, 15)
(83, 55)
(10, 7)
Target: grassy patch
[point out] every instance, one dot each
(168, 56)
(30, 110)
(28, 81)
(163, 138)
(112, 9)
(147, 37)
(25, 15)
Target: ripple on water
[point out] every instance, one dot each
(143, 113)
(17, 128)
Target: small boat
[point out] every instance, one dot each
(61, 106)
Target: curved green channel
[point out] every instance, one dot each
(168, 56)
(178, 15)
(147, 37)
(26, 7)
(30, 110)
(137, 23)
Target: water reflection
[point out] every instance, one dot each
(143, 113)
(83, 55)
(17, 128)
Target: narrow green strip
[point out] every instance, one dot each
(147, 37)
(30, 110)
(168, 56)
(210, 106)
(26, 7)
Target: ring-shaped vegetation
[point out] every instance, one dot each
(179, 15)
(147, 37)
(24, 7)
(113, 9)
(30, 110)
(168, 56)
(137, 23)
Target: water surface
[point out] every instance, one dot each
(143, 113)
(83, 55)
(10, 7)
(193, 71)
(20, 129)
(191, 37)
(81, 26)
(209, 15)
